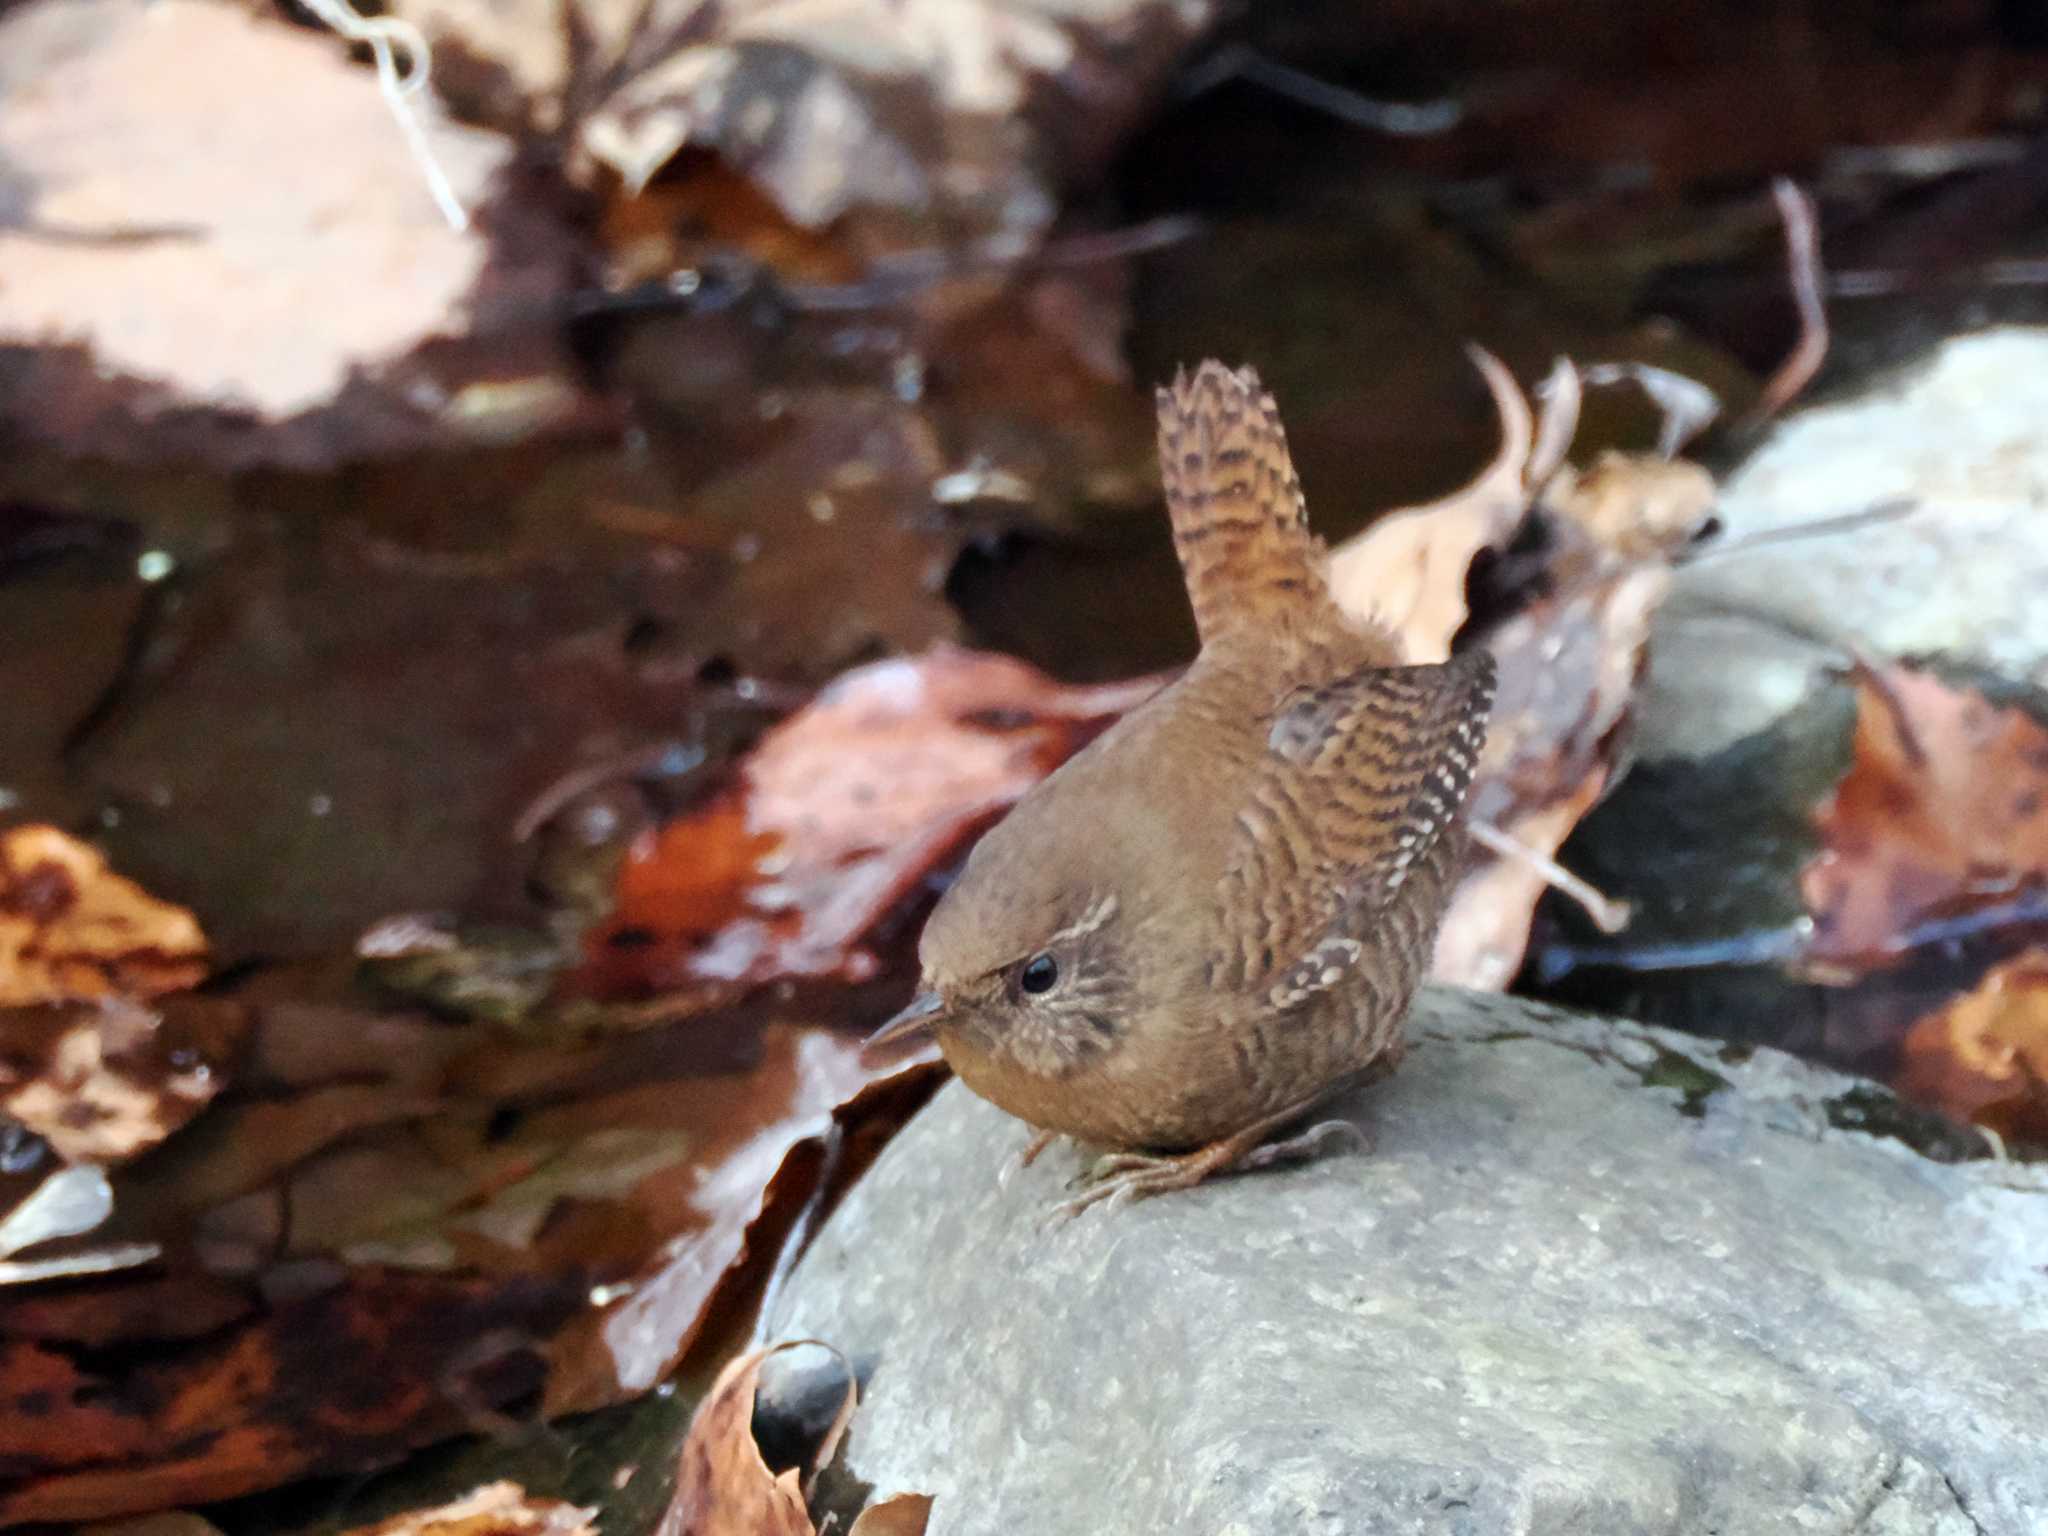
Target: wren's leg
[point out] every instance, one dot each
(1127, 1176)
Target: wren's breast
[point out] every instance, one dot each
(1164, 1084)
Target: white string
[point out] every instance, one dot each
(384, 36)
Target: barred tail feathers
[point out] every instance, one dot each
(1240, 526)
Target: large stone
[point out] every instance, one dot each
(1745, 637)
(1594, 1278)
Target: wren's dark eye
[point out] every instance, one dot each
(1039, 974)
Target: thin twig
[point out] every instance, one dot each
(1557, 422)
(1687, 405)
(1608, 914)
(1397, 119)
(1802, 255)
(385, 36)
(1889, 511)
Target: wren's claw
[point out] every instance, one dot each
(1309, 1144)
(1024, 1158)
(1128, 1176)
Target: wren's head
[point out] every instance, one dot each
(1023, 958)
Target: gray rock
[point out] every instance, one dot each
(1593, 1279)
(1745, 637)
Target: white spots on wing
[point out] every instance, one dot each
(1317, 971)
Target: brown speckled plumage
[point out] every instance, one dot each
(1238, 886)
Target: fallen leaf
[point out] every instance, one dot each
(101, 1082)
(462, 1222)
(1984, 1057)
(1942, 816)
(1568, 640)
(932, 108)
(723, 1487)
(496, 1509)
(149, 1309)
(838, 817)
(1637, 506)
(1407, 571)
(72, 930)
(69, 1203)
(904, 1514)
(271, 300)
(392, 1361)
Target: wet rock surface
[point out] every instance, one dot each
(1594, 1277)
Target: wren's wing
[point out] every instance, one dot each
(1239, 524)
(1359, 790)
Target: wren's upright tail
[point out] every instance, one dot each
(1240, 526)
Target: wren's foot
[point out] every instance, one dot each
(1126, 1176)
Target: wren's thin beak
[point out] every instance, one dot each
(919, 1018)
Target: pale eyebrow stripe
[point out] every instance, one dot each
(1090, 920)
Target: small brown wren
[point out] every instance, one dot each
(1215, 915)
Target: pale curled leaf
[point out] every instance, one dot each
(1407, 571)
(69, 1203)
(495, 1509)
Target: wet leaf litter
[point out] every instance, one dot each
(504, 1157)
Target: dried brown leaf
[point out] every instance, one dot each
(101, 1082)
(170, 1522)
(836, 106)
(1942, 814)
(495, 1509)
(71, 930)
(1486, 927)
(1569, 659)
(345, 1377)
(723, 1487)
(1639, 506)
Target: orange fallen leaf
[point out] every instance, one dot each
(72, 930)
(1984, 1057)
(1942, 816)
(496, 1509)
(838, 815)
